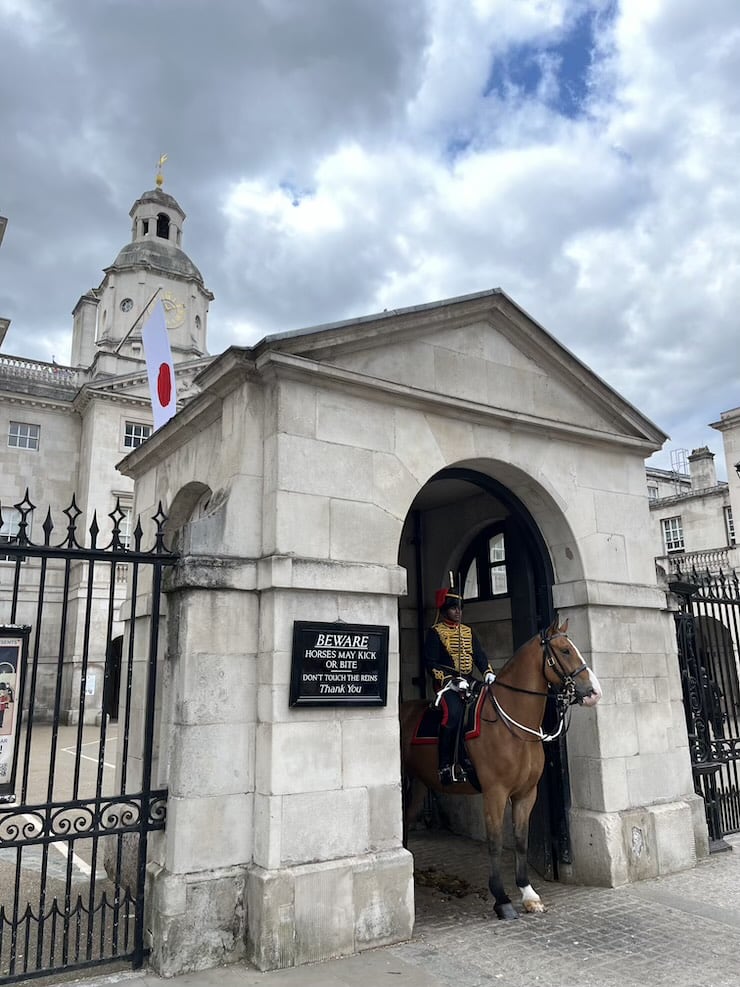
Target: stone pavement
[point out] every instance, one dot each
(682, 930)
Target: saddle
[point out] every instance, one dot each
(426, 730)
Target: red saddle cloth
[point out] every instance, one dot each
(427, 728)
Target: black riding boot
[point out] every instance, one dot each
(448, 772)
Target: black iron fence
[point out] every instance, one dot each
(79, 628)
(708, 635)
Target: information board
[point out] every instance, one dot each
(339, 664)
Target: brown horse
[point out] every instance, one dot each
(507, 755)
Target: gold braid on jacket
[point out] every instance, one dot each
(458, 642)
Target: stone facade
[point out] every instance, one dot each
(294, 478)
(692, 514)
(75, 423)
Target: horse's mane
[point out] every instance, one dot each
(510, 661)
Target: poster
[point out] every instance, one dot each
(13, 649)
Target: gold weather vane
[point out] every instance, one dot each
(160, 176)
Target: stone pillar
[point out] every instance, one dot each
(197, 870)
(634, 813)
(284, 828)
(330, 876)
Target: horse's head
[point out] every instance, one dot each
(565, 668)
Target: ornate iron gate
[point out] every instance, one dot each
(77, 719)
(708, 633)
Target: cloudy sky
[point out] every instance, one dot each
(339, 157)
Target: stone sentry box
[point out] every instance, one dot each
(317, 446)
(339, 664)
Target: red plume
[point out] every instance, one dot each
(439, 598)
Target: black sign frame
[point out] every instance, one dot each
(339, 664)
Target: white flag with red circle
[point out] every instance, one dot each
(159, 366)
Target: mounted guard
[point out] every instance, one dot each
(451, 651)
(507, 754)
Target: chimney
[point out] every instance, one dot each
(85, 315)
(701, 468)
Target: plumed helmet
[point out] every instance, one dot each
(444, 598)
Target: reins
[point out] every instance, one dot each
(565, 697)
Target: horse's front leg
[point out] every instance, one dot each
(494, 802)
(521, 809)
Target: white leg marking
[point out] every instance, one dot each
(531, 900)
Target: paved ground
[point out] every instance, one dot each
(682, 931)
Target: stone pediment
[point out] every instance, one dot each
(480, 350)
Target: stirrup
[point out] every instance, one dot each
(452, 774)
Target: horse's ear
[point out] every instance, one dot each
(555, 627)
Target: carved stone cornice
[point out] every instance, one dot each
(37, 398)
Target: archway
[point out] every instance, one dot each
(467, 523)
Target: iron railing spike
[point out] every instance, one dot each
(138, 534)
(160, 519)
(48, 527)
(117, 515)
(73, 513)
(94, 530)
(70, 542)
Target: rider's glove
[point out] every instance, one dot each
(489, 678)
(460, 685)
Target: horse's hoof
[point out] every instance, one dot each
(506, 911)
(534, 907)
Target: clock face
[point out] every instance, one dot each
(127, 304)
(174, 310)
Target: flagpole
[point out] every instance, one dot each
(138, 319)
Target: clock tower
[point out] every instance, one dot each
(153, 266)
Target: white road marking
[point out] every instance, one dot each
(63, 848)
(86, 757)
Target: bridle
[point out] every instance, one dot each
(565, 695)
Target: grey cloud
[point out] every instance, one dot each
(618, 234)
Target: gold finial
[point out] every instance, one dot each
(160, 176)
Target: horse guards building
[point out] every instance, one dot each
(335, 476)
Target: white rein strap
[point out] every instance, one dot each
(535, 733)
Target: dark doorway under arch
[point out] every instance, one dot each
(457, 508)
(112, 679)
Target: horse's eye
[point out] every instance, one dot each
(566, 652)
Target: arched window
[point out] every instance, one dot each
(483, 566)
(163, 226)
